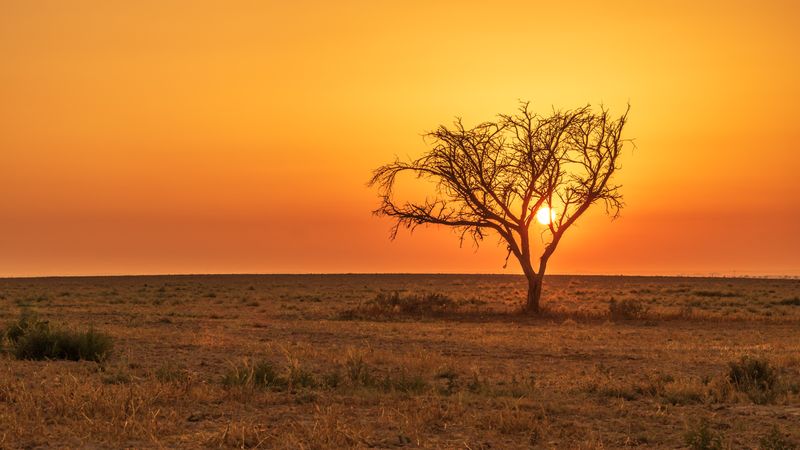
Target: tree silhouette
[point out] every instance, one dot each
(497, 176)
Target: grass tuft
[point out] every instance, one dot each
(701, 437)
(256, 374)
(795, 301)
(171, 373)
(776, 440)
(34, 339)
(626, 309)
(755, 377)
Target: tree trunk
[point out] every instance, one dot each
(534, 293)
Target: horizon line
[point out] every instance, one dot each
(717, 275)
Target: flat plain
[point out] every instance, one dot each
(339, 361)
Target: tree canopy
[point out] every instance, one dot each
(496, 176)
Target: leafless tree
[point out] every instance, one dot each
(497, 176)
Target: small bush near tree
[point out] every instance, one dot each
(392, 304)
(626, 309)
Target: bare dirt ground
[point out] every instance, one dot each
(473, 374)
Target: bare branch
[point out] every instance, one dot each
(495, 176)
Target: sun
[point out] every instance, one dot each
(545, 215)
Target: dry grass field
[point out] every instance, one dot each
(338, 361)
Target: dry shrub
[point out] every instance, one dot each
(569, 316)
(357, 370)
(685, 391)
(716, 294)
(755, 377)
(398, 378)
(255, 374)
(626, 309)
(776, 440)
(354, 373)
(700, 436)
(795, 301)
(172, 373)
(613, 389)
(393, 304)
(662, 387)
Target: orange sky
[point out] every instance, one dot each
(205, 136)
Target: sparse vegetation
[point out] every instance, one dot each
(27, 322)
(700, 436)
(289, 374)
(756, 377)
(171, 373)
(393, 304)
(258, 374)
(795, 301)
(776, 440)
(117, 377)
(716, 294)
(36, 339)
(626, 309)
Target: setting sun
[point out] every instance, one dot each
(429, 224)
(545, 215)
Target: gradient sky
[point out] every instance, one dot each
(206, 136)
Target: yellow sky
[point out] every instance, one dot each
(200, 136)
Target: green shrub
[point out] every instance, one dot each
(35, 339)
(41, 344)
